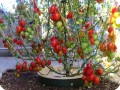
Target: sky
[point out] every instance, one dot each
(8, 4)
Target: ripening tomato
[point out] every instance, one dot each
(79, 50)
(56, 16)
(70, 15)
(111, 35)
(52, 9)
(22, 23)
(112, 19)
(110, 46)
(102, 47)
(60, 53)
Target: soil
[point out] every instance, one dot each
(31, 81)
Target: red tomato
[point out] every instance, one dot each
(49, 62)
(70, 15)
(92, 41)
(110, 29)
(15, 40)
(60, 60)
(89, 65)
(113, 10)
(52, 9)
(19, 29)
(52, 38)
(83, 77)
(58, 47)
(24, 64)
(56, 16)
(43, 63)
(22, 23)
(115, 48)
(99, 71)
(91, 77)
(18, 66)
(96, 80)
(99, 1)
(38, 61)
(64, 50)
(32, 64)
(1, 20)
(89, 71)
(54, 43)
(87, 24)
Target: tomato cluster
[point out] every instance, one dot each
(33, 66)
(90, 75)
(109, 48)
(59, 49)
(37, 48)
(21, 27)
(115, 17)
(18, 41)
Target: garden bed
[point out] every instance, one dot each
(30, 81)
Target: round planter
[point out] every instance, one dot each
(53, 79)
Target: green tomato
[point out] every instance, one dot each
(95, 36)
(68, 44)
(22, 33)
(111, 55)
(30, 36)
(26, 34)
(36, 15)
(84, 45)
(90, 49)
(28, 29)
(32, 32)
(109, 60)
(85, 51)
(96, 42)
(59, 24)
(4, 27)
